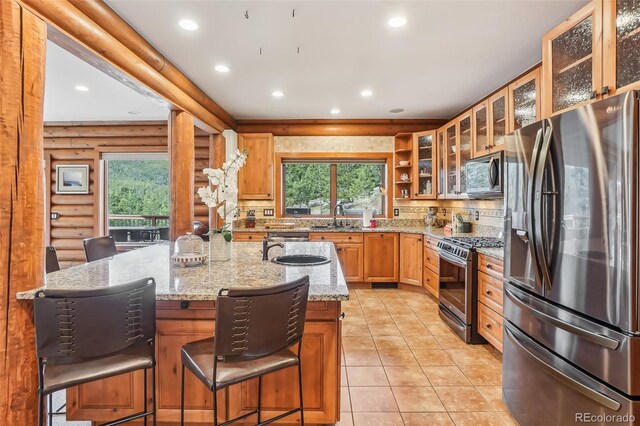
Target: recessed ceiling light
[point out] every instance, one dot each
(81, 88)
(335, 111)
(188, 24)
(221, 68)
(396, 110)
(277, 93)
(397, 21)
(366, 93)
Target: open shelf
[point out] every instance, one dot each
(403, 150)
(575, 64)
(403, 182)
(408, 166)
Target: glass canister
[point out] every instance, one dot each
(188, 244)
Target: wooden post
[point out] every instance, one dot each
(181, 173)
(217, 156)
(22, 55)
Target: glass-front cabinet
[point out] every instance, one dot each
(464, 151)
(424, 160)
(480, 129)
(524, 101)
(621, 27)
(442, 172)
(498, 111)
(571, 57)
(451, 160)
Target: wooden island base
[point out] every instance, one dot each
(118, 396)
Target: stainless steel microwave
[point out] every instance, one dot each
(484, 176)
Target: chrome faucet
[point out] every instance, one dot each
(340, 207)
(266, 247)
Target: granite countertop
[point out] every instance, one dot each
(496, 253)
(431, 232)
(245, 269)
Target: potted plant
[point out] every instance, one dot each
(221, 195)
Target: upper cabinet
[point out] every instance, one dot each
(524, 101)
(480, 138)
(621, 49)
(424, 171)
(464, 152)
(440, 152)
(451, 160)
(571, 58)
(498, 112)
(255, 179)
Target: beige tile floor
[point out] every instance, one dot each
(402, 365)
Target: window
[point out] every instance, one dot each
(313, 187)
(136, 197)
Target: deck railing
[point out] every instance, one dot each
(138, 220)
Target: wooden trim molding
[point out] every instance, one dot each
(22, 55)
(98, 35)
(386, 156)
(374, 127)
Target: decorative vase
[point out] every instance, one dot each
(219, 248)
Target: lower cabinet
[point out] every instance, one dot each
(115, 397)
(381, 255)
(411, 259)
(490, 300)
(350, 251)
(431, 268)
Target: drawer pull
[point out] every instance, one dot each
(349, 237)
(489, 266)
(488, 292)
(322, 238)
(488, 326)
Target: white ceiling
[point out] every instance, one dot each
(450, 53)
(107, 98)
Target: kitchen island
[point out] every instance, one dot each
(186, 312)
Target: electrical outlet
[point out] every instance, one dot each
(55, 215)
(444, 211)
(396, 212)
(268, 212)
(251, 213)
(477, 215)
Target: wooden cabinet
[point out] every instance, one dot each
(451, 171)
(350, 249)
(490, 299)
(441, 150)
(411, 259)
(111, 398)
(490, 123)
(621, 46)
(458, 148)
(572, 61)
(381, 252)
(255, 179)
(424, 160)
(524, 101)
(464, 152)
(431, 269)
(403, 165)
(248, 237)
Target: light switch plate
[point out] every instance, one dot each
(268, 212)
(396, 212)
(477, 215)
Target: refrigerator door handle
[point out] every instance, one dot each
(596, 338)
(538, 181)
(560, 376)
(530, 203)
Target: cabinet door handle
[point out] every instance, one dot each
(605, 90)
(594, 94)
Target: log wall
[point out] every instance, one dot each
(81, 143)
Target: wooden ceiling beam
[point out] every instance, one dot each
(356, 127)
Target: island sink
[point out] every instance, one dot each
(300, 260)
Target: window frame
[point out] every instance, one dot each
(281, 158)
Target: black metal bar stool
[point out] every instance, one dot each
(87, 335)
(254, 333)
(99, 247)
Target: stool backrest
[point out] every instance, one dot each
(51, 260)
(99, 247)
(93, 323)
(257, 322)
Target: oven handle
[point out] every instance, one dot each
(454, 260)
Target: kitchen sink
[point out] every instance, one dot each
(335, 227)
(300, 260)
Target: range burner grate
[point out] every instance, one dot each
(475, 242)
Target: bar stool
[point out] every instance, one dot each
(254, 332)
(99, 247)
(87, 335)
(51, 260)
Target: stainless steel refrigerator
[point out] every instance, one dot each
(571, 300)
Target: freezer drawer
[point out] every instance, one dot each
(612, 356)
(541, 388)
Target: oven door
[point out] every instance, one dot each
(455, 286)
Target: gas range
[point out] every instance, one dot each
(463, 247)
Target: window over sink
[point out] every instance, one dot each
(311, 186)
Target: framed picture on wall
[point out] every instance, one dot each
(72, 179)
